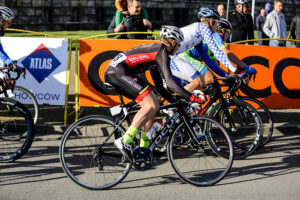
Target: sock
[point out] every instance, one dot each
(144, 140)
(130, 134)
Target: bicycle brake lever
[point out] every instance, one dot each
(254, 76)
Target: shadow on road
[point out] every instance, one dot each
(41, 163)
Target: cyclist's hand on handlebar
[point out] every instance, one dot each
(250, 70)
(199, 98)
(4, 76)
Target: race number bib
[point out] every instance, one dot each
(118, 59)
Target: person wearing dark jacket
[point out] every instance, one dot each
(260, 21)
(132, 22)
(242, 22)
(295, 29)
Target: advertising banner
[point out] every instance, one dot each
(45, 60)
(95, 56)
(277, 82)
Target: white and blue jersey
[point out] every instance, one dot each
(195, 34)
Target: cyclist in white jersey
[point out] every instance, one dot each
(6, 17)
(195, 34)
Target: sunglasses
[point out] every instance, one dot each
(8, 20)
(246, 6)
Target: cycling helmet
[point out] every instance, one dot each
(172, 32)
(207, 13)
(224, 23)
(6, 13)
(240, 1)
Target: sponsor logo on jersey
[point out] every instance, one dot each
(138, 59)
(41, 63)
(131, 81)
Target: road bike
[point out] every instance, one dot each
(233, 83)
(239, 118)
(89, 157)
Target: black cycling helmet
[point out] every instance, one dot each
(224, 23)
(208, 13)
(241, 2)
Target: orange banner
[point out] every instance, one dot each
(95, 56)
(277, 82)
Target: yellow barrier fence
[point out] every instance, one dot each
(76, 60)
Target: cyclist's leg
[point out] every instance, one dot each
(184, 70)
(191, 70)
(144, 118)
(134, 88)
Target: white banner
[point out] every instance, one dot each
(45, 60)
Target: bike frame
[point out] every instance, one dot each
(164, 131)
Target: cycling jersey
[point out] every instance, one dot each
(195, 34)
(202, 52)
(4, 57)
(123, 70)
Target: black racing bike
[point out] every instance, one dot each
(89, 157)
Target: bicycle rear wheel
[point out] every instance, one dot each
(88, 154)
(199, 165)
(15, 122)
(266, 119)
(243, 124)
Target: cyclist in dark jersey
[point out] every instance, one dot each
(122, 73)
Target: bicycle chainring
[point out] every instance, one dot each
(143, 158)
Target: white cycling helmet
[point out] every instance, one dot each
(6, 13)
(241, 2)
(172, 32)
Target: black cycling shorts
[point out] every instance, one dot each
(127, 83)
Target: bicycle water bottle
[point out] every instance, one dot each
(154, 129)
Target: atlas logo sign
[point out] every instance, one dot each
(41, 63)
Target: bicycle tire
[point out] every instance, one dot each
(248, 132)
(184, 159)
(88, 161)
(15, 122)
(32, 106)
(267, 120)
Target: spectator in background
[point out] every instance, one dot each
(134, 21)
(121, 6)
(268, 8)
(123, 11)
(241, 21)
(275, 25)
(260, 21)
(222, 10)
(295, 29)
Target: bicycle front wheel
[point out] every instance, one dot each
(266, 118)
(243, 124)
(198, 164)
(88, 154)
(28, 99)
(16, 129)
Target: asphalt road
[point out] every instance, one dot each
(271, 173)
